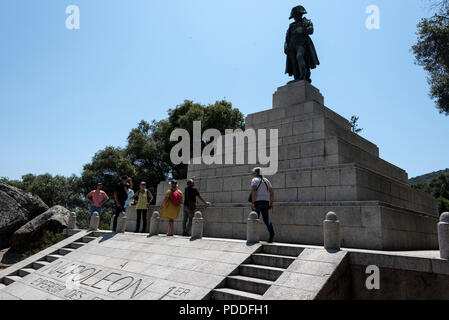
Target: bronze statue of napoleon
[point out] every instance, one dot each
(299, 48)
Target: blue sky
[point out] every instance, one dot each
(65, 94)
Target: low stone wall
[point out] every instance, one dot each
(402, 277)
(367, 225)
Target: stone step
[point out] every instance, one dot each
(26, 271)
(261, 272)
(248, 284)
(272, 260)
(40, 264)
(53, 257)
(10, 279)
(88, 239)
(232, 294)
(76, 245)
(99, 233)
(65, 251)
(2, 285)
(282, 250)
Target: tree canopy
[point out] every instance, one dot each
(220, 115)
(439, 188)
(146, 156)
(53, 190)
(432, 53)
(107, 166)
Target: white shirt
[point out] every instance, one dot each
(262, 194)
(130, 198)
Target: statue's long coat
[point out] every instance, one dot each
(311, 56)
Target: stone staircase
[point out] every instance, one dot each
(36, 265)
(253, 278)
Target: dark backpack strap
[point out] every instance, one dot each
(266, 185)
(261, 180)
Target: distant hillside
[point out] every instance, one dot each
(427, 178)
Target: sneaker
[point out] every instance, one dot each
(271, 239)
(185, 234)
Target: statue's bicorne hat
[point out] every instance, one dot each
(298, 9)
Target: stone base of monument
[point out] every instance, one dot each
(323, 166)
(104, 265)
(370, 225)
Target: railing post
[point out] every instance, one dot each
(111, 225)
(71, 224)
(197, 226)
(331, 231)
(154, 223)
(122, 221)
(252, 228)
(443, 235)
(94, 221)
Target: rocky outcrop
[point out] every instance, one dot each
(17, 207)
(31, 234)
(28, 201)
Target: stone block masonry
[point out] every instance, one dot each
(133, 267)
(322, 164)
(107, 266)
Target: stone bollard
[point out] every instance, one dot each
(332, 236)
(71, 224)
(252, 228)
(443, 235)
(94, 221)
(112, 223)
(154, 223)
(121, 223)
(197, 226)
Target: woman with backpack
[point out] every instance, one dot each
(143, 199)
(171, 205)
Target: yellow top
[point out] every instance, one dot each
(142, 202)
(170, 211)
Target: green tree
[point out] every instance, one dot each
(443, 205)
(432, 53)
(439, 188)
(221, 116)
(53, 190)
(107, 166)
(145, 154)
(146, 157)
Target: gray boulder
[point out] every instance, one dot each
(30, 235)
(17, 207)
(31, 203)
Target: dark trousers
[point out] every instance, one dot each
(263, 207)
(118, 210)
(187, 220)
(301, 70)
(141, 213)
